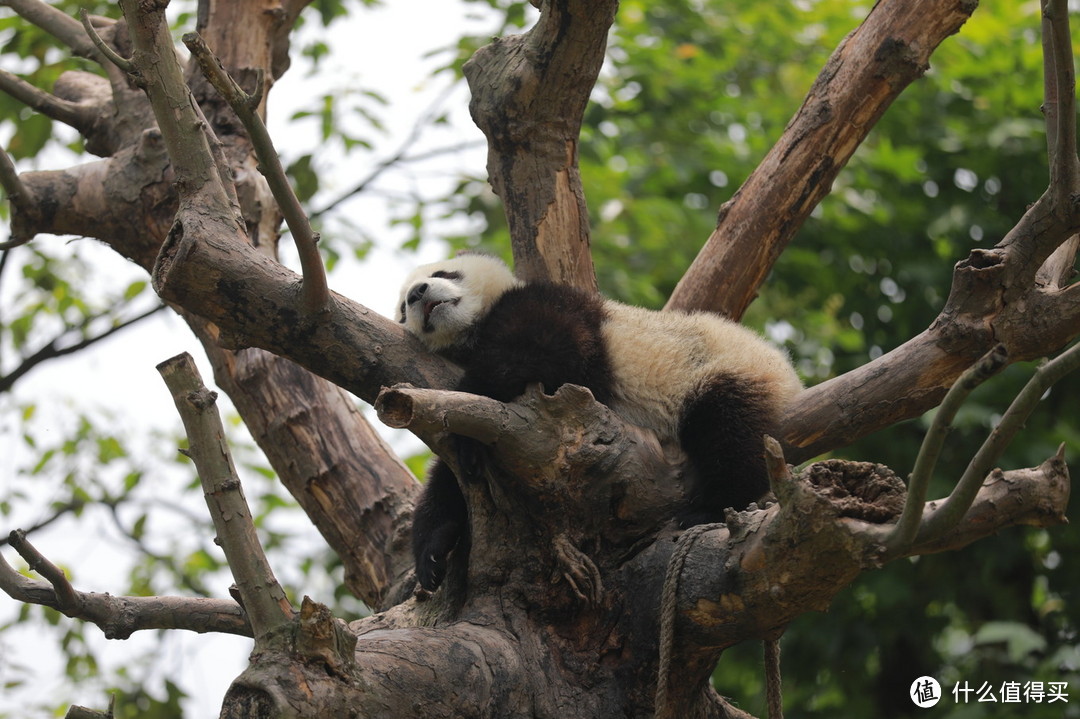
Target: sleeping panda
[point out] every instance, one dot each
(712, 385)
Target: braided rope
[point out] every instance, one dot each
(668, 607)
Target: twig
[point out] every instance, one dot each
(52, 351)
(121, 62)
(59, 513)
(958, 502)
(315, 291)
(65, 111)
(119, 617)
(399, 156)
(265, 601)
(66, 597)
(908, 526)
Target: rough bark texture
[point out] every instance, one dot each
(560, 611)
(529, 96)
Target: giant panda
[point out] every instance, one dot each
(706, 382)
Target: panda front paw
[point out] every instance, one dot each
(471, 456)
(432, 554)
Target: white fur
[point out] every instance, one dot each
(658, 359)
(454, 304)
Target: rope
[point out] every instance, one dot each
(668, 606)
(774, 699)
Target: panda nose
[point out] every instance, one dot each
(416, 292)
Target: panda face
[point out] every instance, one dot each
(439, 302)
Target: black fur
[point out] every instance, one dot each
(541, 333)
(440, 520)
(721, 432)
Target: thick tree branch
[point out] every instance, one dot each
(870, 68)
(119, 617)
(529, 96)
(268, 608)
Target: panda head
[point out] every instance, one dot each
(440, 301)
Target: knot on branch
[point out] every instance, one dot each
(859, 490)
(324, 638)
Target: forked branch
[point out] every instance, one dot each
(315, 292)
(117, 616)
(912, 529)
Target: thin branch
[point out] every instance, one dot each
(400, 155)
(315, 291)
(119, 617)
(183, 578)
(958, 502)
(908, 526)
(60, 512)
(66, 596)
(398, 158)
(52, 351)
(57, 23)
(121, 62)
(266, 603)
(65, 111)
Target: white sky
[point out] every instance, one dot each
(381, 49)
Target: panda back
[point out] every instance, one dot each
(661, 360)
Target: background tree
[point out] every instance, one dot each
(662, 192)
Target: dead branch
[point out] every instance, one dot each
(117, 617)
(263, 597)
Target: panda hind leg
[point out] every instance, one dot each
(440, 520)
(721, 432)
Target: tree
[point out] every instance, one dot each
(568, 616)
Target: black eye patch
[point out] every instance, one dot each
(455, 276)
(402, 319)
